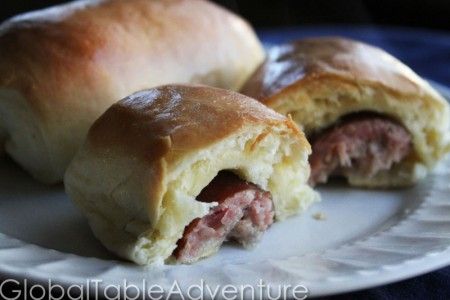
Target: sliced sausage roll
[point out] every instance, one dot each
(170, 173)
(369, 117)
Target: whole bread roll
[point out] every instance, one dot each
(62, 67)
(321, 82)
(148, 157)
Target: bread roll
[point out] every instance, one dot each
(323, 82)
(62, 67)
(149, 156)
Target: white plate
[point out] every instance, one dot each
(368, 238)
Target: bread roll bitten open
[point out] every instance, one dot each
(62, 67)
(368, 117)
(171, 172)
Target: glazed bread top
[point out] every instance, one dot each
(165, 122)
(311, 59)
(62, 67)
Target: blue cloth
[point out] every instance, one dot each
(428, 54)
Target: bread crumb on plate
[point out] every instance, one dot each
(319, 216)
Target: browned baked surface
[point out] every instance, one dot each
(178, 119)
(310, 59)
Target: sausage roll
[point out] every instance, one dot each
(62, 67)
(369, 117)
(170, 173)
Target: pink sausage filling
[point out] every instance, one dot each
(243, 214)
(363, 144)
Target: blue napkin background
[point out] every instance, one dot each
(428, 54)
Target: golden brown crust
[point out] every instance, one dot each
(177, 118)
(310, 59)
(70, 62)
